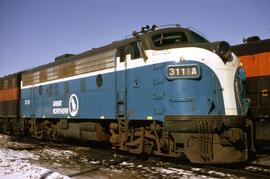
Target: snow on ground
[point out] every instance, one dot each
(26, 161)
(263, 159)
(19, 160)
(16, 164)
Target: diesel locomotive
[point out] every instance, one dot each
(165, 91)
(254, 55)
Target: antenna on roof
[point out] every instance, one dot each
(170, 25)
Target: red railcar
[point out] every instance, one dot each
(254, 55)
(9, 101)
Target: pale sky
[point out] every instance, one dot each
(34, 32)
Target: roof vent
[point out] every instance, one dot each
(251, 39)
(62, 57)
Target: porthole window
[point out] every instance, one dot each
(99, 80)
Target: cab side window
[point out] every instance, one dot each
(135, 51)
(121, 53)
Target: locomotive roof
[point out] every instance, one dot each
(250, 48)
(10, 76)
(93, 51)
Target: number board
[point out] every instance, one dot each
(183, 71)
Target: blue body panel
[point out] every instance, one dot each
(93, 101)
(150, 94)
(157, 96)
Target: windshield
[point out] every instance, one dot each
(169, 38)
(198, 38)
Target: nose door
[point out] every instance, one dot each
(121, 93)
(33, 100)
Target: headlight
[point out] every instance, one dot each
(224, 51)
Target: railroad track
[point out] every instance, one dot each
(206, 170)
(248, 170)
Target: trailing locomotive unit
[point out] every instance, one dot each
(165, 91)
(9, 103)
(254, 54)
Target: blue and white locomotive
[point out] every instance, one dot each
(165, 91)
